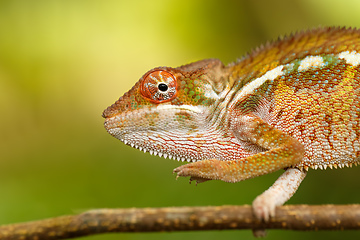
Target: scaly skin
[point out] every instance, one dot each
(292, 104)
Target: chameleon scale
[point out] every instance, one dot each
(292, 104)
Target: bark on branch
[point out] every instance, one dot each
(291, 217)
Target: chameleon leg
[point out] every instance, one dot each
(281, 191)
(283, 151)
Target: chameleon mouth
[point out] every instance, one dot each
(143, 129)
(131, 135)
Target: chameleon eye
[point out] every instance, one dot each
(159, 86)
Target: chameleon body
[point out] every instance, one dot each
(292, 104)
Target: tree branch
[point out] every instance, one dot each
(291, 217)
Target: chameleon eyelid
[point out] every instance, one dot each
(151, 81)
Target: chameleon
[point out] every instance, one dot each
(291, 104)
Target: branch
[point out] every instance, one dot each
(291, 217)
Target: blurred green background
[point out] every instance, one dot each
(63, 62)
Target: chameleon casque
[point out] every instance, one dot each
(292, 104)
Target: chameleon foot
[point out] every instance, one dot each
(201, 171)
(282, 190)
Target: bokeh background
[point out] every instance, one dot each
(62, 62)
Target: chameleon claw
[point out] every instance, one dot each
(189, 171)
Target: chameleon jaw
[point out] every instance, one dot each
(138, 130)
(152, 150)
(158, 153)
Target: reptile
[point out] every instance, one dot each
(290, 104)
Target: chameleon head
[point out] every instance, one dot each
(167, 107)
